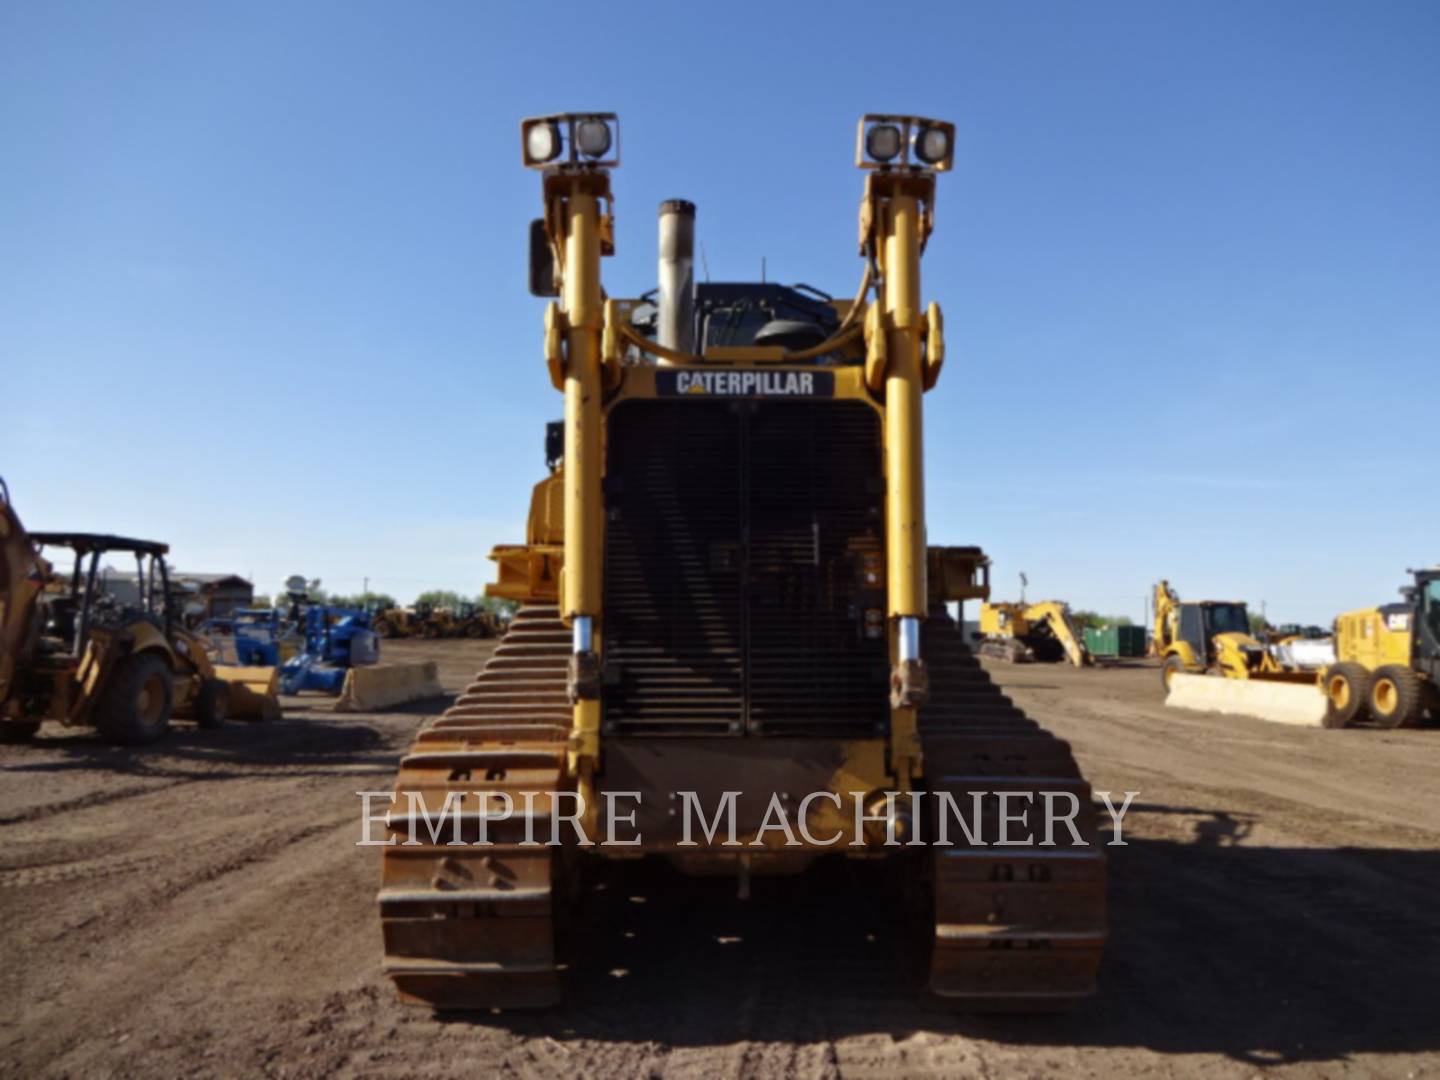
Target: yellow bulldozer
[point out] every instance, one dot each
(727, 606)
(1043, 631)
(1212, 637)
(1388, 660)
(72, 651)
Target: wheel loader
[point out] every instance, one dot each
(402, 622)
(1387, 660)
(1212, 637)
(473, 621)
(463, 620)
(73, 653)
(727, 602)
(1043, 631)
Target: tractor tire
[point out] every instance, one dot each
(18, 731)
(1347, 691)
(383, 629)
(1395, 697)
(212, 704)
(430, 633)
(1172, 666)
(134, 709)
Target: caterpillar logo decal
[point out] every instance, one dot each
(736, 383)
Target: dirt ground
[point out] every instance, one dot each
(200, 908)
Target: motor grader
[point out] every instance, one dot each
(1387, 660)
(1043, 631)
(70, 651)
(726, 596)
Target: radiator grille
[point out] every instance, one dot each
(735, 539)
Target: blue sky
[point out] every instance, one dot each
(262, 288)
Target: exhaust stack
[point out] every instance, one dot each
(676, 326)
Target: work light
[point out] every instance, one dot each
(904, 142)
(542, 143)
(931, 145)
(571, 140)
(883, 142)
(593, 138)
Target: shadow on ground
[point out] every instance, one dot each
(1264, 955)
(237, 749)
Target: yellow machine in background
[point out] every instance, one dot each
(1212, 637)
(465, 620)
(70, 651)
(1388, 659)
(399, 622)
(726, 588)
(1043, 631)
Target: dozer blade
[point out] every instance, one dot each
(1282, 701)
(382, 686)
(254, 691)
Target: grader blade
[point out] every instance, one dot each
(1283, 701)
(383, 686)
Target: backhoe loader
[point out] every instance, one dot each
(1388, 660)
(1043, 631)
(71, 652)
(1212, 637)
(727, 604)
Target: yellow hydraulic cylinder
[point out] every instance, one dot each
(584, 511)
(584, 518)
(904, 437)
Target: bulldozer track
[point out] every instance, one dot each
(472, 927)
(1015, 928)
(469, 926)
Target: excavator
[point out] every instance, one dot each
(727, 602)
(1043, 631)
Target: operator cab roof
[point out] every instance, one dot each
(84, 543)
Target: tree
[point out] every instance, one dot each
(501, 609)
(440, 598)
(1090, 620)
(370, 601)
(1258, 625)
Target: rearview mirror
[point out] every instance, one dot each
(542, 261)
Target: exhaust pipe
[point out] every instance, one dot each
(676, 325)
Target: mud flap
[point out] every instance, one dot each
(381, 686)
(1280, 702)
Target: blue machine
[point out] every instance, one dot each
(328, 642)
(257, 636)
(336, 639)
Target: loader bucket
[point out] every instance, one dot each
(1280, 701)
(381, 686)
(254, 691)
